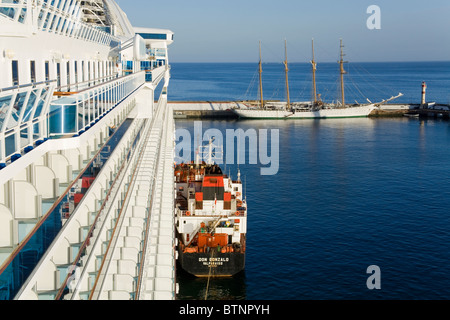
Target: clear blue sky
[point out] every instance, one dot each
(229, 30)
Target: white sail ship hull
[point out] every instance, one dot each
(348, 112)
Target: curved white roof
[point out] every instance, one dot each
(119, 19)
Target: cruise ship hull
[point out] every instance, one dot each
(350, 112)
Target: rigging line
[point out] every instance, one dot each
(358, 66)
(297, 52)
(277, 87)
(251, 85)
(277, 57)
(306, 83)
(357, 88)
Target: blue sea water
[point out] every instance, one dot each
(373, 81)
(349, 193)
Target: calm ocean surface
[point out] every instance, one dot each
(349, 193)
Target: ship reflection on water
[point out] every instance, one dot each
(227, 288)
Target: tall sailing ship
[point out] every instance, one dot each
(315, 109)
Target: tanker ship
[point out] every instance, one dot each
(211, 220)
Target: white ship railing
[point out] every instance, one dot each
(74, 114)
(23, 111)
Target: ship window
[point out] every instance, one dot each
(33, 71)
(82, 71)
(58, 74)
(89, 71)
(23, 14)
(47, 19)
(47, 71)
(58, 24)
(76, 71)
(15, 72)
(4, 105)
(63, 25)
(40, 18)
(53, 23)
(8, 11)
(157, 36)
(68, 75)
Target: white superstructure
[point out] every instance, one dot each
(83, 99)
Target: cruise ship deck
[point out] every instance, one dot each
(86, 154)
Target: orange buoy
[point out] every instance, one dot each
(237, 213)
(188, 213)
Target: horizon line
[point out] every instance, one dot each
(231, 62)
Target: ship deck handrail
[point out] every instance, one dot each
(97, 82)
(104, 83)
(32, 84)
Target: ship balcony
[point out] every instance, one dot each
(23, 119)
(154, 69)
(72, 115)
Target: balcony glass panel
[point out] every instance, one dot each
(16, 109)
(4, 105)
(31, 102)
(62, 116)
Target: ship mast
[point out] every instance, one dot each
(260, 77)
(341, 63)
(286, 69)
(314, 68)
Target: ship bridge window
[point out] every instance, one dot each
(153, 36)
